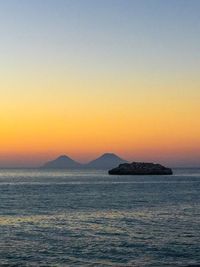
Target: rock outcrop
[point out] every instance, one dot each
(140, 168)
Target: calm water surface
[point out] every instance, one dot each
(75, 218)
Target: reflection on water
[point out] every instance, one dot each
(92, 219)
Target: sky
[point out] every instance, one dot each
(85, 77)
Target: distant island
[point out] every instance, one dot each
(62, 162)
(104, 162)
(140, 168)
(109, 161)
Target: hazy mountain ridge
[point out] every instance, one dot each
(62, 162)
(105, 161)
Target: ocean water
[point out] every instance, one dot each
(73, 218)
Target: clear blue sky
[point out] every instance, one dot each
(148, 32)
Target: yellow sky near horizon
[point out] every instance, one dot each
(89, 116)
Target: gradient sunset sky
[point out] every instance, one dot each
(84, 77)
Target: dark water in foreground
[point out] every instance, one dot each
(92, 219)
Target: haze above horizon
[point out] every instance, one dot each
(85, 77)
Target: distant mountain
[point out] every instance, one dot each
(106, 161)
(62, 162)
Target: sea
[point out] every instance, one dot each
(88, 218)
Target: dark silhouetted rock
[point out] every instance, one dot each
(106, 161)
(140, 168)
(62, 162)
